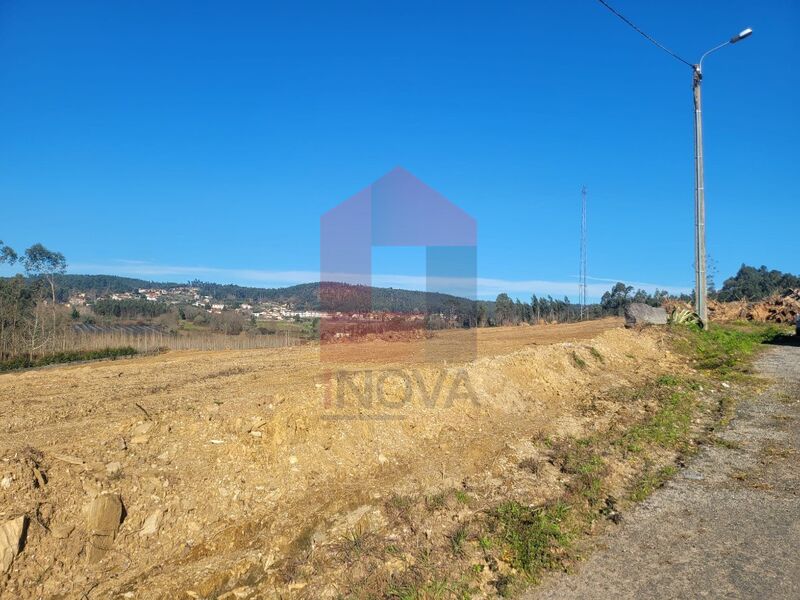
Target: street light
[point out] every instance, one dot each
(699, 195)
(741, 35)
(700, 280)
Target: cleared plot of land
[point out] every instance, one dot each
(450, 344)
(234, 468)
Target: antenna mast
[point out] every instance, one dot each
(583, 269)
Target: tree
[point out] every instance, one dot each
(16, 310)
(7, 254)
(615, 300)
(552, 307)
(658, 297)
(754, 284)
(41, 262)
(567, 309)
(129, 309)
(503, 309)
(481, 314)
(534, 308)
(519, 312)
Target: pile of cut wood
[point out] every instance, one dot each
(778, 308)
(728, 311)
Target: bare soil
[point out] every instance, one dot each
(246, 474)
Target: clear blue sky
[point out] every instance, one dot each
(181, 139)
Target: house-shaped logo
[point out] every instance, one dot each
(396, 210)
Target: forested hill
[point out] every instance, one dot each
(306, 295)
(303, 296)
(106, 284)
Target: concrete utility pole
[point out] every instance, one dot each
(700, 284)
(700, 278)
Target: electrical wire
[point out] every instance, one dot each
(635, 28)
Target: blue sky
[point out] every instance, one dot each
(173, 140)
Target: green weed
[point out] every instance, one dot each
(596, 355)
(579, 362)
(535, 537)
(650, 481)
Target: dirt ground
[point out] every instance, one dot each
(727, 526)
(238, 469)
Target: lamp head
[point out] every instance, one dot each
(741, 35)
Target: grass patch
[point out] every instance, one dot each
(463, 497)
(668, 380)
(669, 427)
(436, 501)
(596, 355)
(434, 590)
(535, 538)
(724, 350)
(24, 362)
(650, 481)
(357, 542)
(457, 539)
(579, 362)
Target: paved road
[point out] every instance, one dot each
(727, 527)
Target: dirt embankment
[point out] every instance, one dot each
(249, 471)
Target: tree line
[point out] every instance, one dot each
(129, 308)
(546, 309)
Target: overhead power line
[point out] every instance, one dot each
(650, 39)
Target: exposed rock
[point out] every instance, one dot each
(11, 538)
(637, 313)
(152, 523)
(141, 429)
(239, 593)
(63, 531)
(73, 460)
(105, 515)
(113, 468)
(41, 481)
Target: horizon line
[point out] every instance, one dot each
(483, 288)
